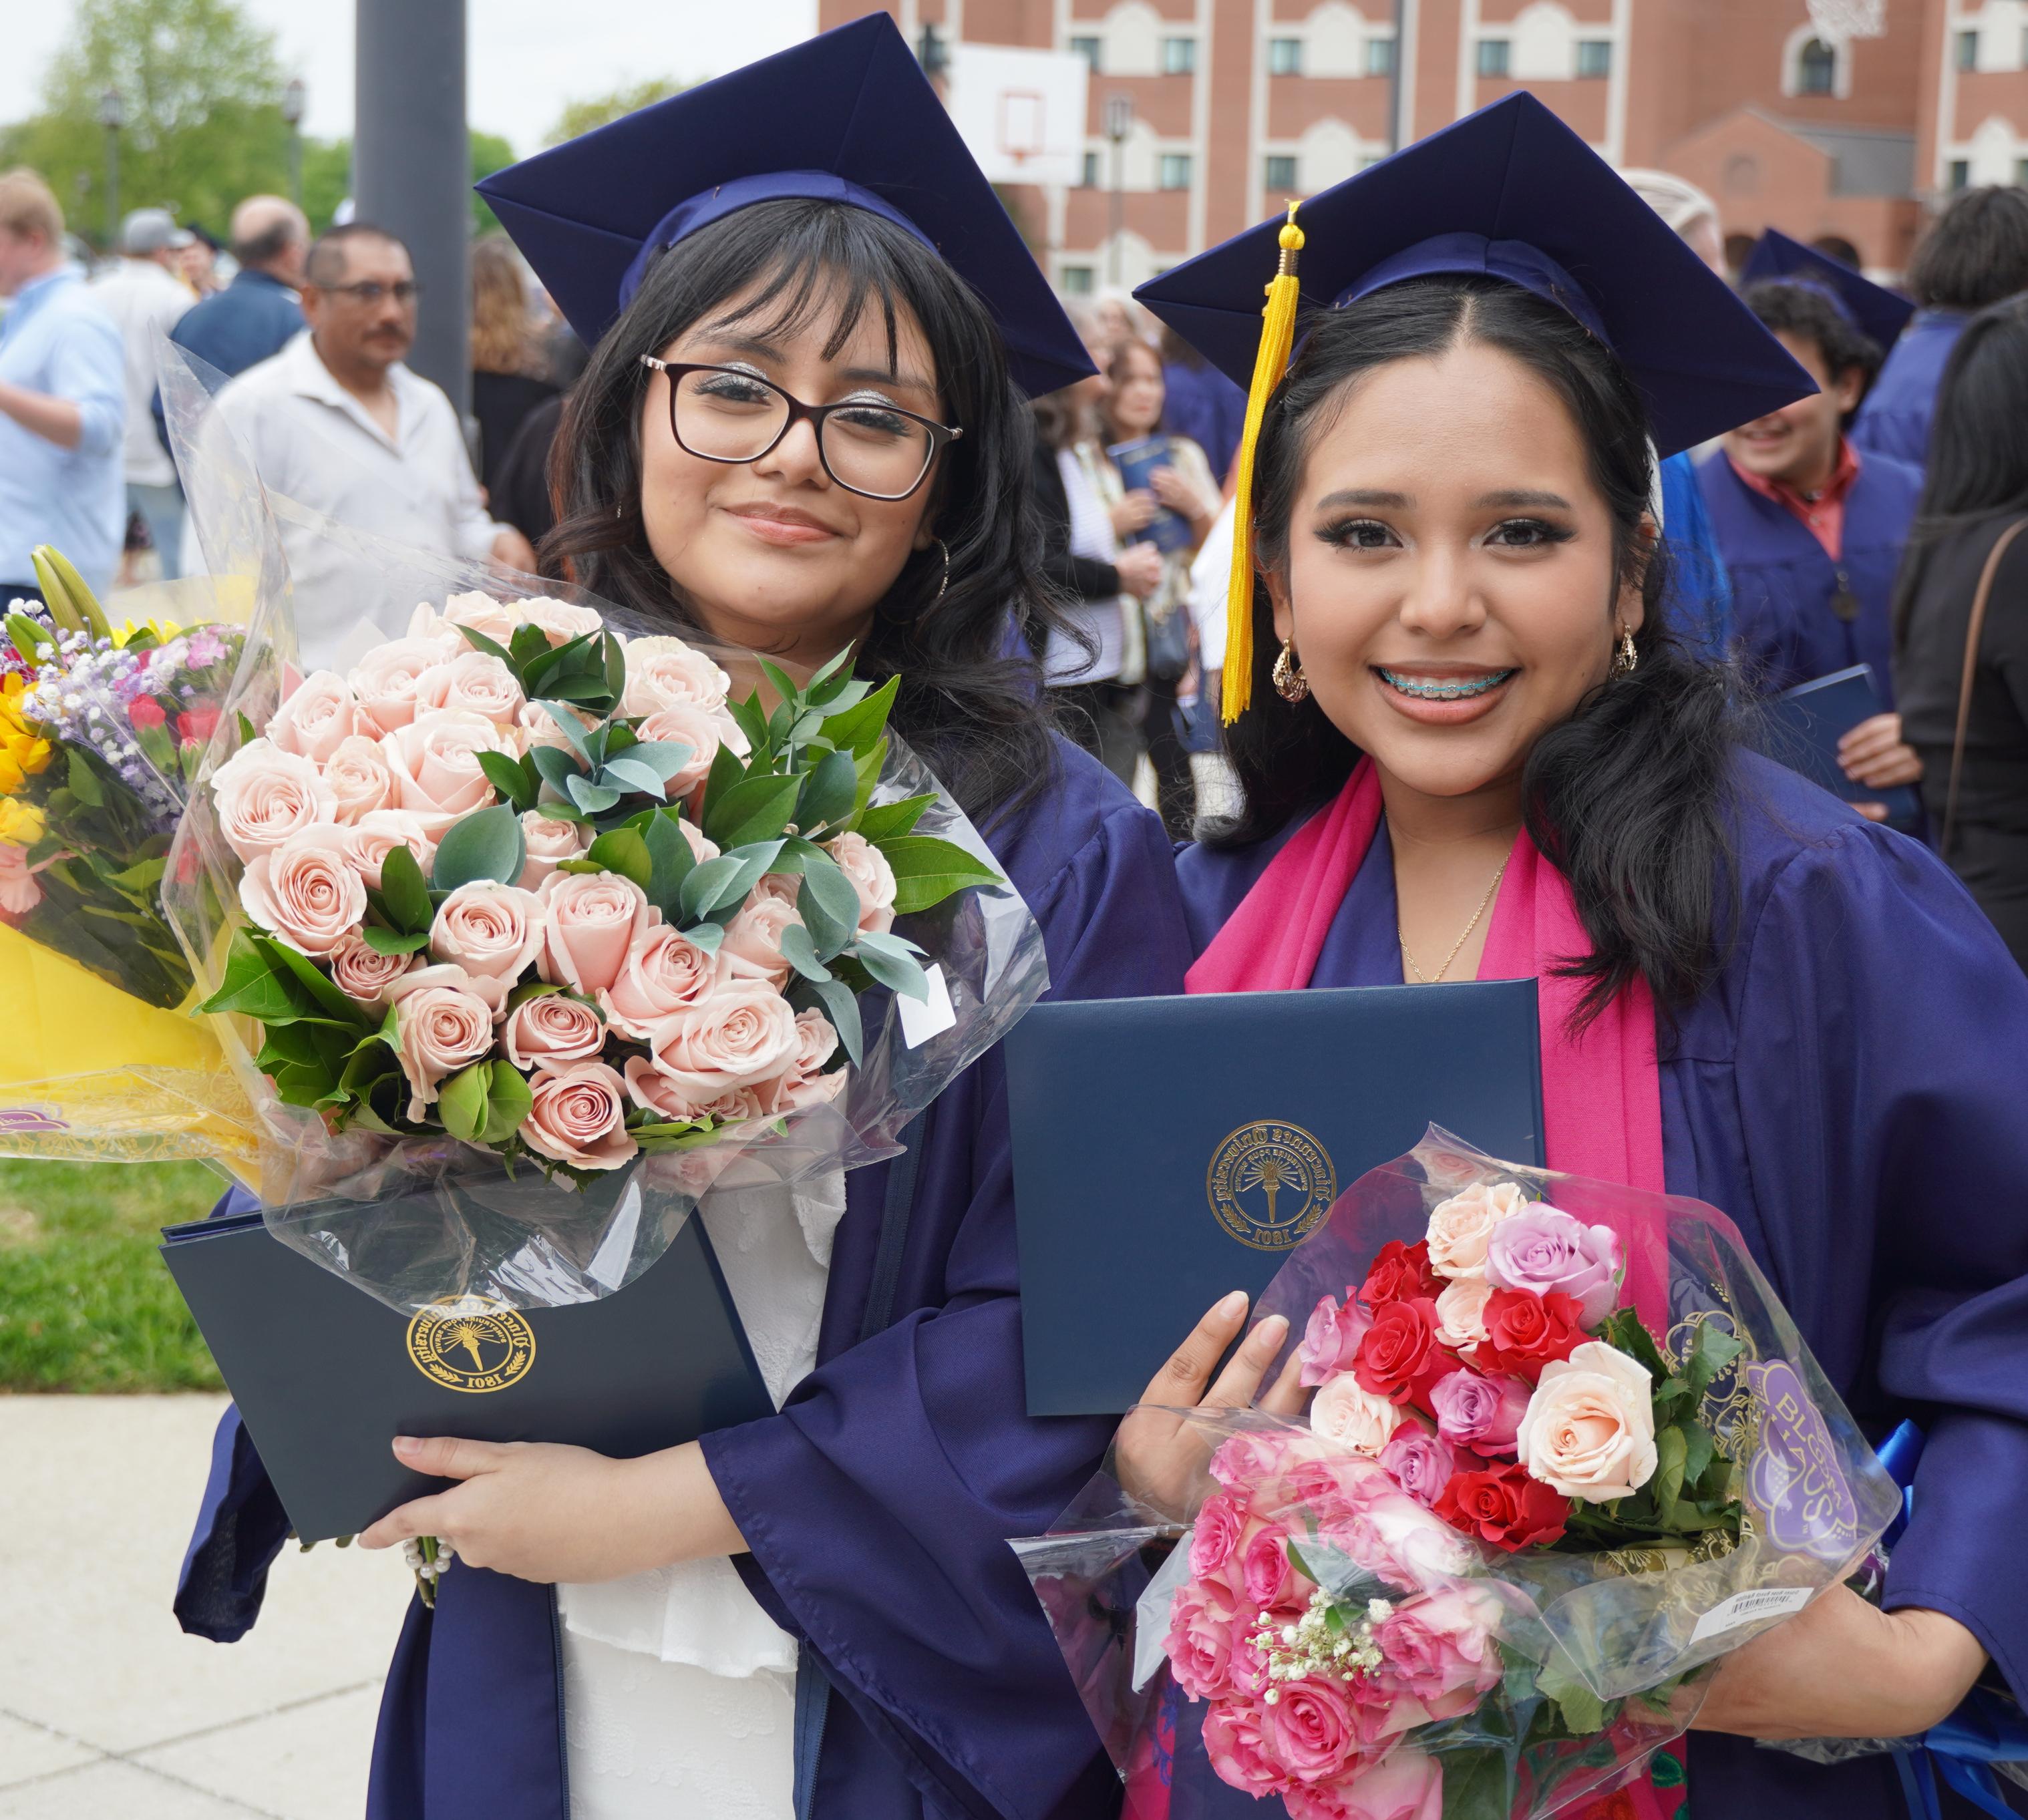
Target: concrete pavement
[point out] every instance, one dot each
(106, 1708)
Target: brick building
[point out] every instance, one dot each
(1237, 103)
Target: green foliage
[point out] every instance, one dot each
(598, 110)
(85, 1303)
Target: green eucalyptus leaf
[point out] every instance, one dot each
(529, 643)
(575, 729)
(755, 860)
(1672, 1454)
(884, 821)
(388, 941)
(756, 809)
(828, 902)
(511, 777)
(700, 889)
(252, 987)
(626, 853)
(312, 978)
(590, 690)
(707, 936)
(900, 973)
(629, 773)
(779, 680)
(665, 757)
(871, 762)
(927, 871)
(798, 950)
(594, 799)
(487, 844)
(834, 997)
(463, 1102)
(554, 766)
(833, 667)
(827, 794)
(562, 813)
(613, 656)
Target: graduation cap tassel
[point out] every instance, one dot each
(1278, 335)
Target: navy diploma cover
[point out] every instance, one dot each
(325, 1376)
(1169, 1150)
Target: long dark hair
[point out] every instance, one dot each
(970, 698)
(1626, 797)
(1975, 252)
(1977, 465)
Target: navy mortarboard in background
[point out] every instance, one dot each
(847, 116)
(1512, 192)
(1871, 307)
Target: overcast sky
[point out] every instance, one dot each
(527, 58)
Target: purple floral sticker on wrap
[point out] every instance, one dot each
(1804, 1500)
(15, 1119)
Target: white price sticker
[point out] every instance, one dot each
(1747, 1607)
(920, 1021)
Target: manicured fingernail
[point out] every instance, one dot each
(406, 1445)
(1233, 1304)
(1272, 1331)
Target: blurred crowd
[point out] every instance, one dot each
(1859, 526)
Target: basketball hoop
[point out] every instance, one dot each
(1023, 114)
(1838, 20)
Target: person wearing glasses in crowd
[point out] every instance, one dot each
(803, 428)
(336, 422)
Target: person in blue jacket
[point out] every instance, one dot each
(1974, 255)
(1457, 605)
(806, 235)
(1810, 531)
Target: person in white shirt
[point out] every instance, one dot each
(144, 296)
(337, 423)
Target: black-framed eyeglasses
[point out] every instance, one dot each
(370, 291)
(868, 447)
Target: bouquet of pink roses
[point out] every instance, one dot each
(1563, 1447)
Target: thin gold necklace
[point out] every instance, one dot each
(1431, 979)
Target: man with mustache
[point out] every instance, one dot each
(337, 422)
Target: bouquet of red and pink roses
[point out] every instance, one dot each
(1563, 1448)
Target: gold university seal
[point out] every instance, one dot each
(471, 1343)
(1269, 1183)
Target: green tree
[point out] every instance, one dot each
(200, 87)
(489, 153)
(581, 116)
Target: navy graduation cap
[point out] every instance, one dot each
(848, 116)
(1871, 307)
(1511, 192)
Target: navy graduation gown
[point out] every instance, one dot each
(1783, 584)
(877, 1502)
(1851, 1091)
(1895, 419)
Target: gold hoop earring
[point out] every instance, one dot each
(1290, 683)
(1628, 659)
(943, 587)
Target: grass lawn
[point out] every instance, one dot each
(85, 1302)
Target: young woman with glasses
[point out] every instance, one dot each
(801, 433)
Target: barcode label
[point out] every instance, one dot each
(1746, 1607)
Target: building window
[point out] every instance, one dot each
(2021, 173)
(1960, 173)
(1088, 179)
(1594, 56)
(1176, 173)
(1493, 57)
(1077, 280)
(1179, 57)
(1380, 57)
(1816, 68)
(1282, 174)
(1088, 49)
(1285, 56)
(1967, 51)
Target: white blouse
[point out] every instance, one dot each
(679, 1690)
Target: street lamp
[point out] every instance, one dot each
(113, 117)
(293, 95)
(930, 54)
(1119, 124)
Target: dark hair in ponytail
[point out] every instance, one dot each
(1626, 797)
(971, 699)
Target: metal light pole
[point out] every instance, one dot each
(412, 168)
(1119, 124)
(113, 117)
(294, 97)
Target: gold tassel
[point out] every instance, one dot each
(1278, 335)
